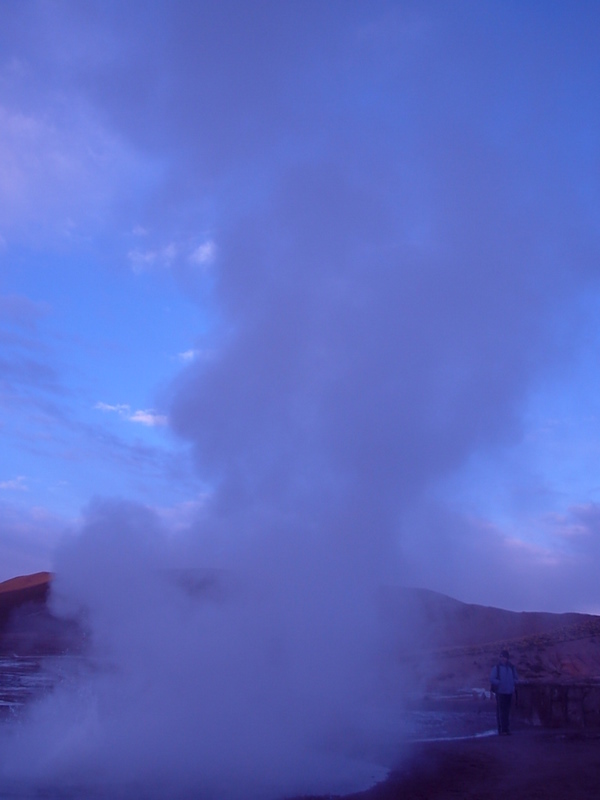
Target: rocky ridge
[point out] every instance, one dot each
(455, 644)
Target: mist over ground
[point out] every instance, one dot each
(386, 216)
(268, 675)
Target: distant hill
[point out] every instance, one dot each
(443, 621)
(458, 643)
(26, 624)
(447, 643)
(25, 582)
(18, 592)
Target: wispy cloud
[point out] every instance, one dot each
(15, 485)
(579, 525)
(57, 172)
(166, 256)
(144, 260)
(20, 310)
(188, 355)
(149, 418)
(195, 354)
(142, 416)
(204, 254)
(119, 408)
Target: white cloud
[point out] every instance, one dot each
(189, 355)
(120, 408)
(149, 418)
(193, 354)
(144, 260)
(16, 485)
(20, 310)
(204, 254)
(142, 416)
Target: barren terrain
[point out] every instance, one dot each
(458, 643)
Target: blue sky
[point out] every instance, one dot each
(263, 252)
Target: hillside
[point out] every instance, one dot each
(458, 643)
(445, 622)
(20, 592)
(450, 644)
(26, 624)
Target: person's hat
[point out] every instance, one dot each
(504, 654)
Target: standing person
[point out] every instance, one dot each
(503, 680)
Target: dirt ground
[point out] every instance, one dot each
(529, 765)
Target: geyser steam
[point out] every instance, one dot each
(263, 681)
(392, 254)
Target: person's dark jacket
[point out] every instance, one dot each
(504, 678)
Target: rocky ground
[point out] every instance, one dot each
(529, 765)
(453, 646)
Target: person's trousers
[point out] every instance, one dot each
(503, 712)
